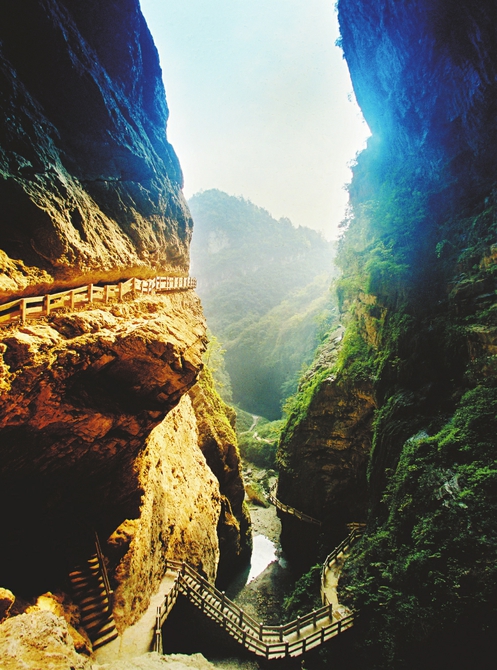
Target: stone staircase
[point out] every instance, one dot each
(92, 594)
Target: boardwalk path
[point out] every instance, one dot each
(290, 510)
(271, 642)
(38, 307)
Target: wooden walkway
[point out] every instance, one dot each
(290, 510)
(42, 306)
(270, 642)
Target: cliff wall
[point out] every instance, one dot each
(97, 430)
(90, 188)
(418, 295)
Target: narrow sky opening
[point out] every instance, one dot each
(261, 103)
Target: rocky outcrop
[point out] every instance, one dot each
(81, 394)
(323, 455)
(39, 640)
(97, 429)
(90, 188)
(178, 518)
(218, 442)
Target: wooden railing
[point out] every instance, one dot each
(103, 571)
(356, 531)
(42, 306)
(270, 642)
(290, 510)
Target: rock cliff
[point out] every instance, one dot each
(418, 294)
(97, 429)
(90, 188)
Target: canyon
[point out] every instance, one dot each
(109, 420)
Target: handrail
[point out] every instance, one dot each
(103, 571)
(267, 641)
(357, 529)
(38, 307)
(290, 510)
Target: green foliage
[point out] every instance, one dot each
(356, 358)
(305, 595)
(258, 446)
(214, 359)
(264, 285)
(433, 562)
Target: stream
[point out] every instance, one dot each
(262, 586)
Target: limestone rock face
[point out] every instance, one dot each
(80, 395)
(218, 442)
(424, 76)
(36, 641)
(328, 452)
(178, 517)
(90, 187)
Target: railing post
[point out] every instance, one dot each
(90, 293)
(322, 635)
(267, 652)
(47, 305)
(339, 627)
(260, 630)
(314, 618)
(330, 610)
(106, 293)
(298, 625)
(281, 633)
(244, 637)
(73, 299)
(223, 600)
(304, 641)
(120, 291)
(286, 649)
(23, 310)
(158, 632)
(240, 619)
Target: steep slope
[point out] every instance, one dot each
(418, 295)
(90, 187)
(263, 284)
(97, 431)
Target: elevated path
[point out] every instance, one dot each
(290, 510)
(38, 307)
(292, 639)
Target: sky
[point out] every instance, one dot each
(261, 103)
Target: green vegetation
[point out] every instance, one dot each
(417, 295)
(432, 562)
(214, 360)
(264, 285)
(258, 446)
(305, 595)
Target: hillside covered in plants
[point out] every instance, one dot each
(264, 285)
(395, 424)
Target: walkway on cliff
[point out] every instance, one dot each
(38, 307)
(270, 642)
(290, 510)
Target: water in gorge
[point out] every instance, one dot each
(259, 589)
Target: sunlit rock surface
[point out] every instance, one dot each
(39, 641)
(178, 518)
(218, 442)
(90, 188)
(97, 430)
(80, 396)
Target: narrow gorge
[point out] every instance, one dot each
(120, 462)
